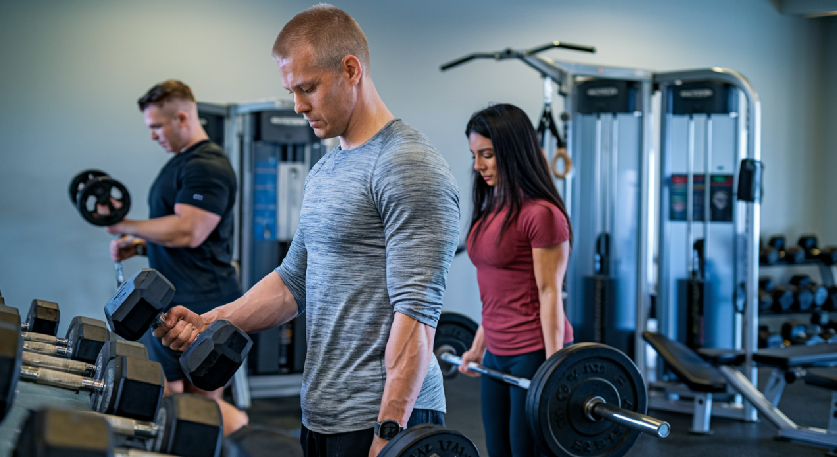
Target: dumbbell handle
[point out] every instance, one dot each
(595, 408)
(34, 359)
(41, 338)
(46, 348)
(120, 276)
(55, 378)
(124, 426)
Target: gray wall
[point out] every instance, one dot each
(71, 72)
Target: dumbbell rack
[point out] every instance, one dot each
(828, 275)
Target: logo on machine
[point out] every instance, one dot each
(284, 120)
(610, 91)
(696, 93)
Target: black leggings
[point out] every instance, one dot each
(504, 405)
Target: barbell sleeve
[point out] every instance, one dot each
(523, 383)
(596, 408)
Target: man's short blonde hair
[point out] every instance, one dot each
(329, 32)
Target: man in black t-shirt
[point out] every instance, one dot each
(189, 234)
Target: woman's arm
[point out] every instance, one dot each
(550, 264)
(474, 354)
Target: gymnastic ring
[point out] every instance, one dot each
(568, 163)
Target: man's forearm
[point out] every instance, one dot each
(266, 305)
(408, 354)
(168, 231)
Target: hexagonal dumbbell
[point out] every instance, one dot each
(51, 432)
(128, 386)
(209, 362)
(109, 352)
(43, 316)
(85, 338)
(186, 426)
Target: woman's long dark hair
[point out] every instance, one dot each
(522, 169)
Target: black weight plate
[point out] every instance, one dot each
(561, 387)
(429, 440)
(454, 334)
(103, 192)
(79, 180)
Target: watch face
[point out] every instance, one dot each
(389, 429)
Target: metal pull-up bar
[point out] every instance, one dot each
(510, 53)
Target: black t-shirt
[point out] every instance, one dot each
(202, 177)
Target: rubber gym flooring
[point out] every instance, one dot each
(805, 405)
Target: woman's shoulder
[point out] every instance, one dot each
(540, 207)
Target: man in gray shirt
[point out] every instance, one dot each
(376, 236)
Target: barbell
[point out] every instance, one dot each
(587, 399)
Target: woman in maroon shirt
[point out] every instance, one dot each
(519, 240)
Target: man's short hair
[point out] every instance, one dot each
(165, 91)
(331, 34)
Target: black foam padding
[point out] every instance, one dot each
(57, 433)
(44, 317)
(86, 337)
(254, 442)
(138, 302)
(212, 360)
(191, 426)
(695, 372)
(797, 356)
(11, 348)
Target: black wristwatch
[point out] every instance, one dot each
(140, 249)
(388, 429)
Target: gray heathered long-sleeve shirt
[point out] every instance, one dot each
(377, 232)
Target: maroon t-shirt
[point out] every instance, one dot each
(511, 313)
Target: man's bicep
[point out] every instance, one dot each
(293, 269)
(419, 205)
(199, 222)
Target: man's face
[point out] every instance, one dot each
(165, 128)
(324, 97)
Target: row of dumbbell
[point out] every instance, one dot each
(126, 391)
(820, 329)
(801, 294)
(71, 356)
(50, 432)
(209, 363)
(807, 249)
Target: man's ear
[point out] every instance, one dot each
(182, 117)
(352, 69)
